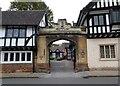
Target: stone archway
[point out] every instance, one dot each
(48, 35)
(72, 51)
(43, 53)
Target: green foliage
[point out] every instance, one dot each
(51, 58)
(32, 6)
(28, 6)
(55, 45)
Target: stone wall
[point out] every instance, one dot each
(42, 59)
(81, 59)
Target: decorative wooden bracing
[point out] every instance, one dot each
(84, 12)
(19, 36)
(104, 35)
(103, 20)
(19, 29)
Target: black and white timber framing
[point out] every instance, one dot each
(18, 31)
(101, 18)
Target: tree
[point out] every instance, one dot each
(32, 6)
(55, 45)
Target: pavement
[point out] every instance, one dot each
(81, 74)
(62, 69)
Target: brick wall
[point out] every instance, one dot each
(12, 68)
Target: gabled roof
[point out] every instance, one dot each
(22, 17)
(84, 12)
(55, 48)
(94, 6)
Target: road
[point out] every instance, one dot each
(62, 73)
(93, 80)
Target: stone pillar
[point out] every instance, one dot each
(42, 59)
(81, 60)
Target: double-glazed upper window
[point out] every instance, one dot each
(15, 32)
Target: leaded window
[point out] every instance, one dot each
(22, 33)
(115, 16)
(95, 20)
(107, 51)
(99, 20)
(15, 32)
(9, 32)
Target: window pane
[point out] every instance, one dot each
(28, 56)
(61, 54)
(22, 32)
(23, 57)
(17, 57)
(9, 32)
(11, 56)
(115, 16)
(95, 20)
(102, 55)
(53, 55)
(101, 20)
(15, 34)
(107, 51)
(112, 51)
(5, 56)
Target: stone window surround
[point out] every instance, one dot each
(108, 59)
(20, 53)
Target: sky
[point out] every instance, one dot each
(62, 9)
(68, 9)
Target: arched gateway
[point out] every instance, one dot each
(61, 30)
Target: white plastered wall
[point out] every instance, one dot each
(93, 51)
(2, 34)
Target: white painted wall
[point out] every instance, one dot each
(1, 42)
(29, 31)
(21, 42)
(93, 51)
(29, 43)
(2, 31)
(33, 40)
(42, 22)
(7, 42)
(2, 34)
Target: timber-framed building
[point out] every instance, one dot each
(25, 38)
(102, 21)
